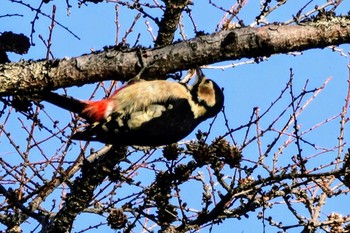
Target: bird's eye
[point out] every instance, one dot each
(207, 81)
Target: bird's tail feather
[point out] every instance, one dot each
(65, 102)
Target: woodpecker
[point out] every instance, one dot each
(146, 113)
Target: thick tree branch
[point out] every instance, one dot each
(170, 20)
(93, 174)
(117, 64)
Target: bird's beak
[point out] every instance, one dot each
(199, 77)
(200, 74)
(190, 74)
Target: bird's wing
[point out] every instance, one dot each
(158, 124)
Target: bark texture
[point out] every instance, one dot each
(121, 64)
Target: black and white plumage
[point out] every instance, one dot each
(146, 113)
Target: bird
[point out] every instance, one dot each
(145, 113)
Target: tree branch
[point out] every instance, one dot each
(118, 64)
(93, 174)
(170, 20)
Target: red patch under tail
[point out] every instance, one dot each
(95, 110)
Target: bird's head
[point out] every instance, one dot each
(208, 94)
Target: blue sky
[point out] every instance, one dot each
(246, 86)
